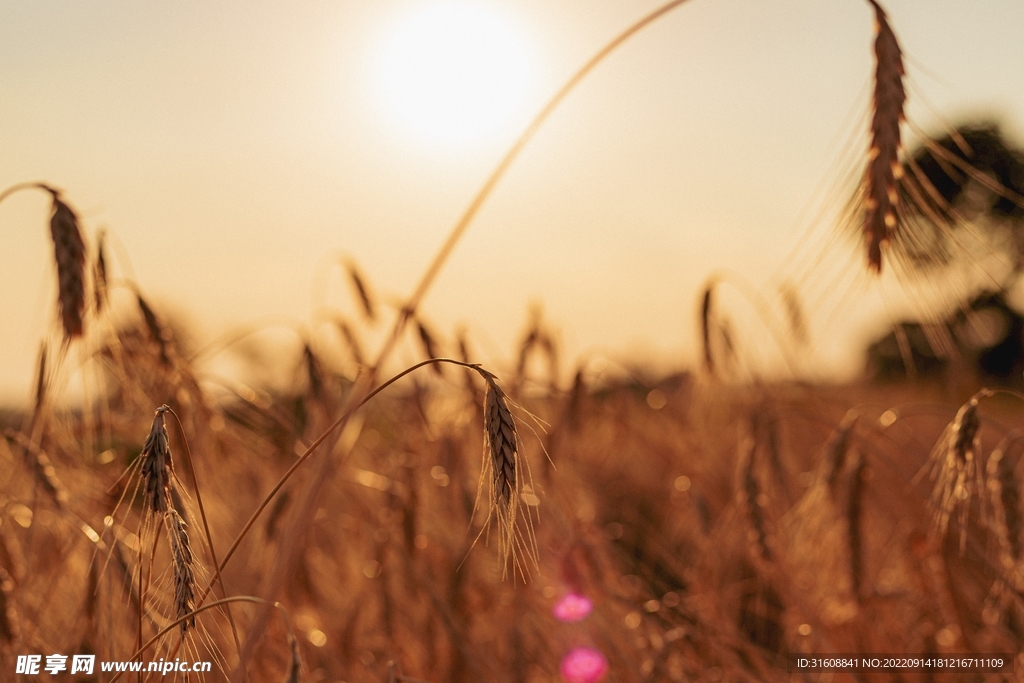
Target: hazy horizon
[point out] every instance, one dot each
(233, 153)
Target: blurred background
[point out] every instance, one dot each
(234, 154)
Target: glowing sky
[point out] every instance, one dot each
(233, 149)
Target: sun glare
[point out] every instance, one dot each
(452, 75)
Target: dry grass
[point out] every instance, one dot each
(691, 566)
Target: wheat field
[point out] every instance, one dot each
(544, 520)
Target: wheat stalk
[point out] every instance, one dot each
(884, 167)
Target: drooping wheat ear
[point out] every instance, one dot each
(184, 572)
(1004, 497)
(501, 456)
(69, 253)
(99, 272)
(752, 499)
(884, 169)
(361, 290)
(955, 468)
(854, 521)
(502, 441)
(155, 463)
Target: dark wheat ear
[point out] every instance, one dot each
(502, 472)
(155, 463)
(502, 444)
(69, 253)
(884, 168)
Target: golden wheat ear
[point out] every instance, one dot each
(69, 253)
(884, 168)
(956, 468)
(184, 571)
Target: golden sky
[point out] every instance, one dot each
(234, 150)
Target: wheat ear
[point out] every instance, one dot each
(707, 302)
(155, 460)
(157, 332)
(99, 273)
(1004, 496)
(884, 167)
(362, 291)
(751, 499)
(955, 468)
(184, 572)
(69, 253)
(502, 445)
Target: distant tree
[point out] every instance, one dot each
(961, 193)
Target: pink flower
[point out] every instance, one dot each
(583, 665)
(573, 607)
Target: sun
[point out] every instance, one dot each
(453, 75)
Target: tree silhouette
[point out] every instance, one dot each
(961, 193)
